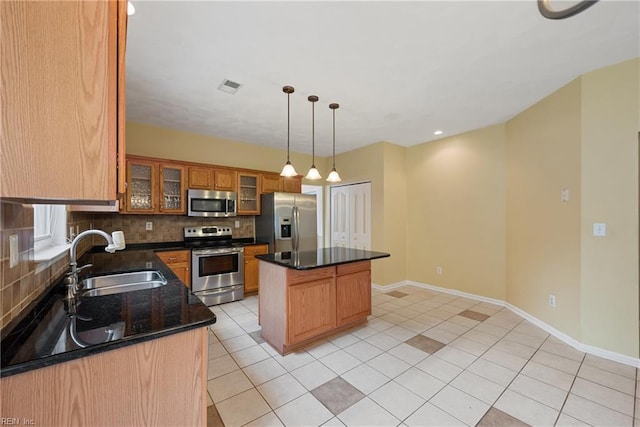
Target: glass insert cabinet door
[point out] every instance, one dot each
(141, 186)
(172, 185)
(248, 194)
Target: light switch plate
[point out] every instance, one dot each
(14, 250)
(600, 229)
(149, 226)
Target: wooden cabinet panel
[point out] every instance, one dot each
(62, 99)
(270, 183)
(353, 296)
(225, 180)
(291, 185)
(154, 187)
(200, 177)
(248, 194)
(142, 183)
(311, 309)
(251, 266)
(172, 189)
(179, 262)
(157, 382)
(300, 276)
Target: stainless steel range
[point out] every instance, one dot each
(217, 267)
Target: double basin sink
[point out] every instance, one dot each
(121, 282)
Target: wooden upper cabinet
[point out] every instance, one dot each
(225, 180)
(270, 182)
(291, 185)
(154, 187)
(248, 194)
(172, 188)
(62, 99)
(200, 177)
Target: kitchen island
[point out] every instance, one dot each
(308, 295)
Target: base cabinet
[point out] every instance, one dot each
(297, 307)
(179, 262)
(251, 267)
(160, 382)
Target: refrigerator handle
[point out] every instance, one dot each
(295, 234)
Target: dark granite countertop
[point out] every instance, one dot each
(40, 337)
(325, 257)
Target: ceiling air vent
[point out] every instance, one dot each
(229, 86)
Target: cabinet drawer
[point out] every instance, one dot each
(255, 250)
(301, 276)
(353, 267)
(172, 257)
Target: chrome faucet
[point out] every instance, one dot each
(115, 242)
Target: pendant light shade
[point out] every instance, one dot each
(288, 169)
(333, 175)
(313, 172)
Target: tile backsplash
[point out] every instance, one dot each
(23, 283)
(28, 279)
(166, 228)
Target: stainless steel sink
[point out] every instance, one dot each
(122, 282)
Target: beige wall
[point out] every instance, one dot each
(152, 141)
(543, 233)
(456, 212)
(610, 126)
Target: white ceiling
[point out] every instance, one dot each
(399, 70)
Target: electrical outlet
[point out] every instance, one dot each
(77, 230)
(14, 250)
(72, 233)
(149, 264)
(149, 226)
(552, 301)
(564, 195)
(438, 270)
(237, 224)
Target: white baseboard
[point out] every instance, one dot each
(596, 351)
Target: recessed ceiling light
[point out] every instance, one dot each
(229, 86)
(438, 132)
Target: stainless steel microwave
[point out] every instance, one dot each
(211, 203)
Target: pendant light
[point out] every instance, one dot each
(288, 169)
(313, 172)
(333, 175)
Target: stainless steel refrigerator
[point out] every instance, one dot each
(288, 222)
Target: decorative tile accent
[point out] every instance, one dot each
(496, 418)
(469, 314)
(426, 344)
(397, 294)
(337, 395)
(257, 336)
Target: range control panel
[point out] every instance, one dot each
(207, 231)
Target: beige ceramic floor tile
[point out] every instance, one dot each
(429, 415)
(539, 391)
(439, 368)
(548, 375)
(605, 396)
(264, 371)
(367, 413)
(593, 413)
(420, 383)
(397, 399)
(560, 363)
(221, 366)
(281, 390)
(489, 370)
(229, 385)
(243, 408)
(303, 411)
(388, 365)
(313, 375)
(611, 366)
(465, 407)
(525, 409)
(365, 378)
(478, 387)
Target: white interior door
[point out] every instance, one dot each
(340, 216)
(360, 216)
(351, 216)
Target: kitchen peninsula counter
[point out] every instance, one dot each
(308, 295)
(143, 359)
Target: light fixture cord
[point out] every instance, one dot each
(288, 126)
(334, 138)
(313, 133)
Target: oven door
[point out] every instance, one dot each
(216, 268)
